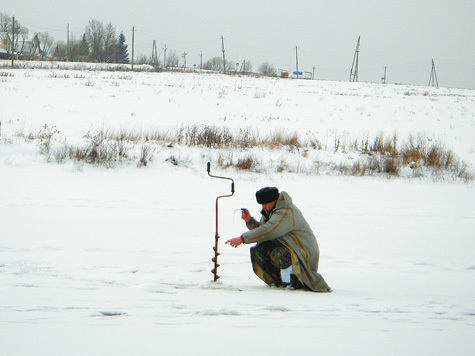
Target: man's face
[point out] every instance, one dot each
(268, 206)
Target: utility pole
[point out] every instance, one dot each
(354, 67)
(313, 73)
(133, 42)
(67, 46)
(433, 76)
(165, 56)
(201, 60)
(13, 41)
(184, 58)
(297, 60)
(224, 56)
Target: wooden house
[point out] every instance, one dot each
(29, 49)
(5, 45)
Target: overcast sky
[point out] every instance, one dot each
(402, 35)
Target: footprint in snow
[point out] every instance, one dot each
(111, 313)
(159, 288)
(278, 308)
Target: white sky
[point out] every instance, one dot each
(402, 35)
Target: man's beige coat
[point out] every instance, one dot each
(287, 224)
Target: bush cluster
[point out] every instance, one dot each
(384, 156)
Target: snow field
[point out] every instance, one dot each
(103, 261)
(102, 255)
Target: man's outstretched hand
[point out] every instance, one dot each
(235, 242)
(246, 216)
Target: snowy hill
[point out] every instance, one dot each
(328, 127)
(113, 255)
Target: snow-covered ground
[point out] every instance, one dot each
(97, 261)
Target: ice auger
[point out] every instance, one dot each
(216, 236)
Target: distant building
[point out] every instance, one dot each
(29, 49)
(5, 45)
(25, 49)
(288, 74)
(284, 74)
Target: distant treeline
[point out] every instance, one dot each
(99, 43)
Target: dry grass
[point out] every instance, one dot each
(377, 156)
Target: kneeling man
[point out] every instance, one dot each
(286, 253)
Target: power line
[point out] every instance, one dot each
(55, 29)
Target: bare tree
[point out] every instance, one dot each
(46, 44)
(110, 44)
(62, 50)
(216, 64)
(172, 59)
(268, 69)
(72, 51)
(143, 59)
(5, 23)
(78, 49)
(95, 39)
(246, 66)
(102, 41)
(84, 50)
(24, 46)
